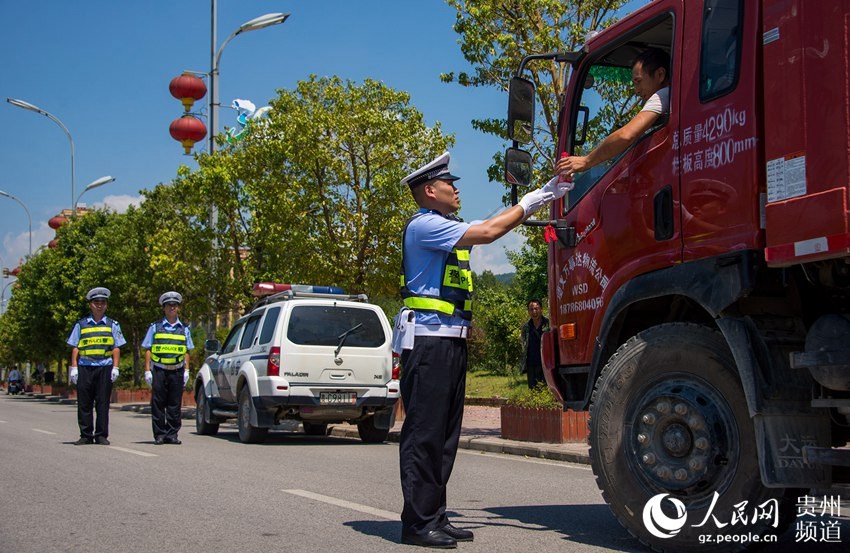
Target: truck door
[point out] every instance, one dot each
(624, 211)
(717, 143)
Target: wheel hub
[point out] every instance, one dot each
(678, 430)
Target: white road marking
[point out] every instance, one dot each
(346, 504)
(4, 422)
(44, 431)
(133, 451)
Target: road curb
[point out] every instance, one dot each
(492, 444)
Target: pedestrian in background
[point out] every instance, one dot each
(430, 334)
(96, 341)
(167, 343)
(531, 334)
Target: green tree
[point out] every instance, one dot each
(321, 183)
(499, 312)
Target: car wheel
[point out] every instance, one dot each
(201, 426)
(248, 434)
(313, 429)
(669, 426)
(369, 434)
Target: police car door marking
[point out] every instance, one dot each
(345, 504)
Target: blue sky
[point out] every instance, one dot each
(103, 67)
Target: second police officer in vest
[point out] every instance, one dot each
(95, 340)
(436, 286)
(167, 343)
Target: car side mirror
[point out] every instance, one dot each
(212, 346)
(517, 167)
(521, 110)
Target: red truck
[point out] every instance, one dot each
(699, 285)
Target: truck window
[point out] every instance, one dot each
(231, 341)
(250, 331)
(269, 323)
(609, 98)
(720, 55)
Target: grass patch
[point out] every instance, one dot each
(486, 384)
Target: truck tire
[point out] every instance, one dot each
(669, 416)
(248, 434)
(314, 429)
(369, 434)
(201, 426)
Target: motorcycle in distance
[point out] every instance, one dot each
(15, 387)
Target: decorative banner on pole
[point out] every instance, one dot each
(248, 113)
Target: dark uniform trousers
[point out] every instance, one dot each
(94, 389)
(166, 401)
(433, 385)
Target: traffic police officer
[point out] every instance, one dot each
(95, 340)
(436, 286)
(167, 343)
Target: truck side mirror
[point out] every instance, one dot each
(212, 346)
(521, 110)
(517, 167)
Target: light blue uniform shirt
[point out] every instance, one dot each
(427, 243)
(117, 335)
(175, 328)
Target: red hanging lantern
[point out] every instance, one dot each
(53, 243)
(187, 88)
(187, 130)
(57, 221)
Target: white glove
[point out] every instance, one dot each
(557, 187)
(114, 374)
(72, 376)
(552, 190)
(149, 378)
(185, 377)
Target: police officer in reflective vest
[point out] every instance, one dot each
(95, 340)
(436, 286)
(167, 343)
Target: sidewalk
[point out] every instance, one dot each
(481, 431)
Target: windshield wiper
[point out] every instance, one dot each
(344, 335)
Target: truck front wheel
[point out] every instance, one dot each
(672, 444)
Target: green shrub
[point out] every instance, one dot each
(539, 397)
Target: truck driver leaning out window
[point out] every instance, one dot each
(651, 77)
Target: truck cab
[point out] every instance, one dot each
(699, 285)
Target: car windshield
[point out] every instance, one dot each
(322, 325)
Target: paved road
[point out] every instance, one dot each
(292, 494)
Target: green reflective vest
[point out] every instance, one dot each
(167, 348)
(455, 297)
(96, 339)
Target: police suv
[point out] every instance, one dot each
(307, 353)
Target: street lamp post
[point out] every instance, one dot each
(257, 23)
(94, 184)
(11, 197)
(3, 295)
(30, 107)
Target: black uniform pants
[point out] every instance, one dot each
(94, 388)
(433, 385)
(166, 402)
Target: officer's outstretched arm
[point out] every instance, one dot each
(493, 228)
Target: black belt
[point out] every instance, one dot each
(168, 367)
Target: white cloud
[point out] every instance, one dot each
(119, 203)
(492, 256)
(16, 246)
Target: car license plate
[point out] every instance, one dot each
(338, 398)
